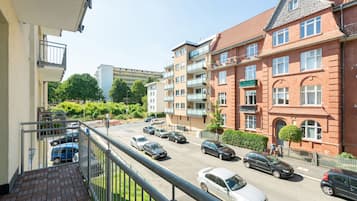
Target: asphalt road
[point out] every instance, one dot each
(186, 160)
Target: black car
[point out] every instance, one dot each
(148, 119)
(69, 137)
(340, 182)
(177, 137)
(149, 130)
(269, 164)
(154, 150)
(217, 149)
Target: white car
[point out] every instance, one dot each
(227, 185)
(138, 142)
(156, 121)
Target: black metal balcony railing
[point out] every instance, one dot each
(52, 54)
(248, 108)
(350, 29)
(102, 163)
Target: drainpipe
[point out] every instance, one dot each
(342, 60)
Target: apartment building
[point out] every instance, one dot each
(186, 85)
(293, 64)
(27, 62)
(155, 97)
(106, 74)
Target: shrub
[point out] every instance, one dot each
(247, 140)
(346, 155)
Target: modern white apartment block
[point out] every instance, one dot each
(106, 74)
(155, 97)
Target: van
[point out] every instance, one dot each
(64, 152)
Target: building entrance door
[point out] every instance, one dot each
(279, 124)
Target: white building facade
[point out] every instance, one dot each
(155, 97)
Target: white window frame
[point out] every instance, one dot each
(316, 27)
(223, 57)
(280, 65)
(316, 57)
(284, 92)
(182, 78)
(316, 128)
(177, 105)
(284, 33)
(250, 72)
(252, 50)
(224, 119)
(311, 89)
(251, 97)
(293, 4)
(222, 77)
(222, 98)
(250, 122)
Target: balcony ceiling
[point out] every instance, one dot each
(52, 14)
(51, 74)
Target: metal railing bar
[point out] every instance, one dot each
(48, 122)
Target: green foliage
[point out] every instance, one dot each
(158, 114)
(346, 155)
(290, 133)
(247, 140)
(52, 93)
(120, 91)
(144, 100)
(138, 91)
(216, 123)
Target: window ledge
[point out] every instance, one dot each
(311, 140)
(222, 84)
(299, 73)
(222, 105)
(250, 129)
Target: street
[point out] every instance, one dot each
(186, 160)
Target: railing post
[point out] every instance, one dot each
(22, 150)
(173, 192)
(108, 175)
(88, 158)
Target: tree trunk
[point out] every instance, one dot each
(289, 148)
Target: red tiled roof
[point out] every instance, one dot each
(244, 31)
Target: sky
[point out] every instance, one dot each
(140, 34)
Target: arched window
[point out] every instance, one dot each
(311, 130)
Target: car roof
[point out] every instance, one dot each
(67, 145)
(345, 172)
(213, 141)
(138, 136)
(151, 143)
(222, 173)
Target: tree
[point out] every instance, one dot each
(138, 90)
(216, 123)
(120, 91)
(150, 79)
(52, 92)
(290, 133)
(144, 100)
(80, 87)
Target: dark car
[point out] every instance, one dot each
(177, 137)
(64, 152)
(340, 182)
(149, 130)
(69, 137)
(148, 119)
(154, 150)
(269, 164)
(217, 149)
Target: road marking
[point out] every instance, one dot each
(303, 169)
(195, 143)
(312, 178)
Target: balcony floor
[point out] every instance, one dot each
(56, 183)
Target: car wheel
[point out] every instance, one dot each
(220, 156)
(276, 174)
(176, 141)
(327, 190)
(203, 150)
(204, 187)
(57, 160)
(247, 164)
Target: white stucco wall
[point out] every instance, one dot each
(104, 76)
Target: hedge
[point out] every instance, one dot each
(246, 140)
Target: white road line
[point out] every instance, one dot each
(312, 178)
(303, 169)
(195, 143)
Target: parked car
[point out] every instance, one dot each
(149, 130)
(177, 137)
(69, 137)
(148, 119)
(138, 142)
(227, 185)
(156, 121)
(161, 133)
(64, 152)
(340, 182)
(269, 164)
(217, 149)
(181, 128)
(155, 150)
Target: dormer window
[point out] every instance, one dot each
(293, 4)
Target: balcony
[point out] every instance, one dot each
(199, 51)
(197, 67)
(196, 112)
(52, 61)
(248, 83)
(250, 109)
(232, 61)
(169, 110)
(196, 97)
(350, 29)
(97, 173)
(169, 98)
(169, 86)
(167, 75)
(198, 82)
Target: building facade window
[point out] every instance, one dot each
(182, 105)
(182, 92)
(250, 72)
(252, 50)
(183, 65)
(222, 77)
(177, 79)
(250, 122)
(182, 78)
(177, 92)
(311, 130)
(224, 119)
(280, 96)
(251, 97)
(311, 60)
(293, 4)
(180, 52)
(223, 57)
(281, 37)
(281, 65)
(222, 98)
(177, 67)
(310, 27)
(311, 95)
(177, 105)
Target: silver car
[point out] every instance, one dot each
(138, 142)
(162, 133)
(227, 185)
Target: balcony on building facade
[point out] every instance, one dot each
(169, 110)
(169, 98)
(196, 112)
(248, 83)
(251, 109)
(169, 86)
(52, 61)
(197, 67)
(199, 51)
(197, 97)
(169, 74)
(196, 82)
(350, 29)
(232, 61)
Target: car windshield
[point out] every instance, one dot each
(142, 139)
(162, 130)
(155, 146)
(235, 183)
(219, 145)
(272, 159)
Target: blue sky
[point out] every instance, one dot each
(140, 33)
